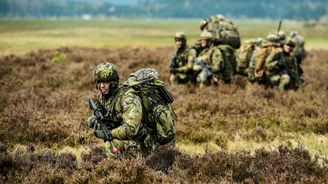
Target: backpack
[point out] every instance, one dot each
(158, 116)
(261, 56)
(228, 54)
(243, 56)
(223, 31)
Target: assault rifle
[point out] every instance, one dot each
(174, 64)
(98, 113)
(205, 66)
(279, 27)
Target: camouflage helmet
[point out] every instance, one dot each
(206, 35)
(203, 23)
(220, 17)
(293, 33)
(273, 38)
(106, 72)
(282, 35)
(259, 40)
(289, 42)
(180, 36)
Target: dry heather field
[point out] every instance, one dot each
(237, 133)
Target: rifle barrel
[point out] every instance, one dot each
(279, 26)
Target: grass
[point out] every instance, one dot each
(22, 36)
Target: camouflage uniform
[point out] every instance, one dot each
(299, 52)
(182, 61)
(292, 66)
(124, 107)
(211, 63)
(276, 69)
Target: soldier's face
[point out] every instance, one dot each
(178, 44)
(288, 48)
(203, 42)
(104, 87)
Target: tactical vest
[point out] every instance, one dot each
(182, 57)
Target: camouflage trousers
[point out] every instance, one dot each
(180, 78)
(118, 148)
(205, 76)
(280, 80)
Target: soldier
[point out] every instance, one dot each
(182, 61)
(275, 66)
(299, 51)
(210, 64)
(123, 109)
(257, 67)
(292, 66)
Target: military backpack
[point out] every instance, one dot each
(158, 116)
(223, 31)
(229, 58)
(244, 55)
(261, 56)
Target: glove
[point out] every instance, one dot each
(92, 121)
(99, 133)
(173, 70)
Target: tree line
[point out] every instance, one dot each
(273, 9)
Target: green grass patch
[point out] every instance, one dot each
(22, 36)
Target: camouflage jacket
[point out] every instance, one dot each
(214, 58)
(275, 63)
(183, 60)
(211, 56)
(292, 65)
(125, 107)
(299, 51)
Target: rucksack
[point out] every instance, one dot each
(223, 31)
(229, 59)
(243, 56)
(261, 56)
(158, 116)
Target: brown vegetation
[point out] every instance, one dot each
(44, 106)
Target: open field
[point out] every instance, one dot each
(237, 133)
(230, 133)
(22, 36)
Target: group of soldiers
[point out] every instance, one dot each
(273, 61)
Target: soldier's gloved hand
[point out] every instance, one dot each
(99, 133)
(173, 70)
(92, 121)
(197, 67)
